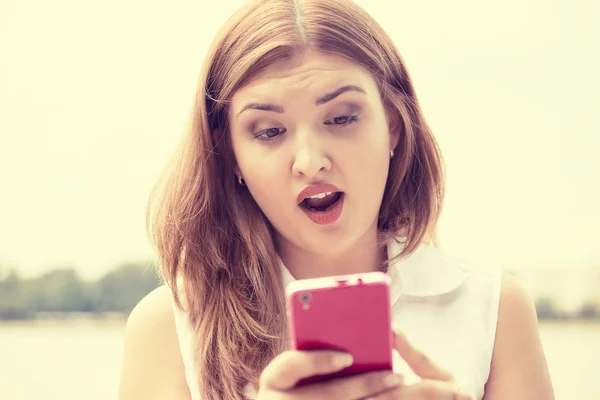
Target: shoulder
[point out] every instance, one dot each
(515, 310)
(156, 308)
(515, 302)
(518, 369)
(152, 365)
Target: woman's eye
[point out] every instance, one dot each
(343, 120)
(270, 133)
(338, 122)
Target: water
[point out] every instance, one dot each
(81, 360)
(573, 354)
(67, 360)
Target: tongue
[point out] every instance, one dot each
(324, 203)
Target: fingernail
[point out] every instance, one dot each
(393, 380)
(342, 360)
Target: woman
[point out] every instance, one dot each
(308, 156)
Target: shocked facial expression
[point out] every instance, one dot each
(312, 141)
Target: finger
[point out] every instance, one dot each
(290, 366)
(425, 389)
(355, 387)
(418, 361)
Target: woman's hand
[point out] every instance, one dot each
(278, 380)
(435, 383)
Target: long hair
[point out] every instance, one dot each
(214, 245)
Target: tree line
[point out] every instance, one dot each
(63, 291)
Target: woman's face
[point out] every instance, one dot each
(315, 119)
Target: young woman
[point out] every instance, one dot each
(308, 156)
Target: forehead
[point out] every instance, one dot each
(307, 74)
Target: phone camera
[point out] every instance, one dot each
(305, 297)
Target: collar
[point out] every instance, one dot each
(426, 272)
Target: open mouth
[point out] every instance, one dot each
(322, 202)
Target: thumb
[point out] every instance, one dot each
(285, 370)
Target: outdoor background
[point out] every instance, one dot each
(95, 95)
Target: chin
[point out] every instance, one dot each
(325, 240)
(329, 243)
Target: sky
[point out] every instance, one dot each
(94, 96)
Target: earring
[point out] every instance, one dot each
(241, 180)
(391, 152)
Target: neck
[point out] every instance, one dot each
(365, 255)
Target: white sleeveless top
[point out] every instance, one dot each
(447, 308)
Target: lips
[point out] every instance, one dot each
(315, 189)
(321, 202)
(325, 212)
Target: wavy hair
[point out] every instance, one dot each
(214, 245)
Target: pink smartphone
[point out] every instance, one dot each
(349, 313)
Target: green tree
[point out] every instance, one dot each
(589, 311)
(60, 290)
(121, 289)
(12, 305)
(546, 309)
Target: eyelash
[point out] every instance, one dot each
(350, 119)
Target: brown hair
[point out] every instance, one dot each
(209, 233)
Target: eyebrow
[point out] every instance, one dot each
(321, 100)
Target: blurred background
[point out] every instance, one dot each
(95, 95)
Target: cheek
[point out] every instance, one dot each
(264, 175)
(367, 164)
(255, 163)
(372, 169)
(371, 152)
(261, 167)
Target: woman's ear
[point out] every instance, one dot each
(395, 127)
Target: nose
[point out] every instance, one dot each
(310, 159)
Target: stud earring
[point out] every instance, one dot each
(391, 152)
(241, 180)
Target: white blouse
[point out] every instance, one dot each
(446, 307)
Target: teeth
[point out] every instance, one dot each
(320, 195)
